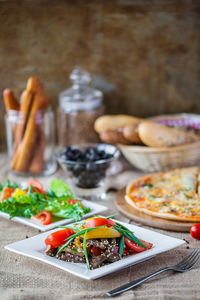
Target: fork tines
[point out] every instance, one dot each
(190, 259)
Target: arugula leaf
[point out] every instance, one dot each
(60, 188)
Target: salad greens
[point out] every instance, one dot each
(56, 200)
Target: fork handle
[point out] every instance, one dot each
(134, 283)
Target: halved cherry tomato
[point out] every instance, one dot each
(96, 251)
(58, 238)
(74, 201)
(136, 247)
(195, 231)
(6, 193)
(95, 222)
(43, 217)
(36, 184)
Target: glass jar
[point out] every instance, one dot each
(30, 142)
(79, 107)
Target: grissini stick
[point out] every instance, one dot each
(26, 147)
(37, 163)
(11, 103)
(33, 87)
(25, 107)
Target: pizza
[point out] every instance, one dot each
(172, 194)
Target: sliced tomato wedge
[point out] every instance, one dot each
(6, 193)
(136, 247)
(74, 201)
(36, 184)
(43, 217)
(96, 251)
(58, 238)
(95, 222)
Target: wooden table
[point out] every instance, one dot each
(22, 278)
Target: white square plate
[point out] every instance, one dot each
(95, 209)
(34, 247)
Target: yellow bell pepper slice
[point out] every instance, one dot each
(18, 192)
(102, 233)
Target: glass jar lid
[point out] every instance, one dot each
(80, 96)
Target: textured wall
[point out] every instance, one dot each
(144, 54)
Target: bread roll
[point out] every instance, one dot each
(131, 134)
(158, 135)
(109, 122)
(113, 137)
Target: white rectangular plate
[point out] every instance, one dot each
(34, 247)
(95, 209)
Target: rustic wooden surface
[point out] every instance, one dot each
(140, 217)
(22, 278)
(143, 54)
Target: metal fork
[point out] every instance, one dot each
(185, 265)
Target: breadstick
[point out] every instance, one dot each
(37, 164)
(10, 101)
(25, 149)
(34, 85)
(25, 107)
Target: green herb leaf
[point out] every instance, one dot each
(85, 250)
(149, 185)
(60, 188)
(121, 245)
(65, 245)
(111, 216)
(130, 236)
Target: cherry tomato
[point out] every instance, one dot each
(43, 217)
(74, 201)
(36, 184)
(195, 231)
(136, 247)
(58, 238)
(95, 222)
(6, 193)
(96, 251)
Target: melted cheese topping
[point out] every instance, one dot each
(174, 192)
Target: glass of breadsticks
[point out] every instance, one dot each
(30, 130)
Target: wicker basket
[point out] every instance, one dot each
(159, 159)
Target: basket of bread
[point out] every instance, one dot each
(154, 144)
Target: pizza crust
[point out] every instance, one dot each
(161, 215)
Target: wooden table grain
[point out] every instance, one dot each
(22, 278)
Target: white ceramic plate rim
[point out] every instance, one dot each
(34, 247)
(95, 209)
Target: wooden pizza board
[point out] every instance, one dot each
(140, 217)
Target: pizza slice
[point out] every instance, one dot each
(171, 195)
